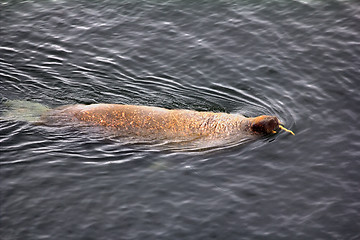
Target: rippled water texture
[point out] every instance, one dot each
(298, 60)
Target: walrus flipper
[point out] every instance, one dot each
(26, 111)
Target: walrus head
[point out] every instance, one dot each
(264, 124)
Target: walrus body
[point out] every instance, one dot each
(158, 123)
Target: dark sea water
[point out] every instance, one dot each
(298, 60)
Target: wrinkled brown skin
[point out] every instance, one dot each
(155, 122)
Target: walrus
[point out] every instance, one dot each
(147, 122)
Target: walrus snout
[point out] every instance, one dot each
(264, 124)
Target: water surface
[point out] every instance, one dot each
(298, 60)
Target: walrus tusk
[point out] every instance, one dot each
(286, 130)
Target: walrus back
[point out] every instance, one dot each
(146, 121)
